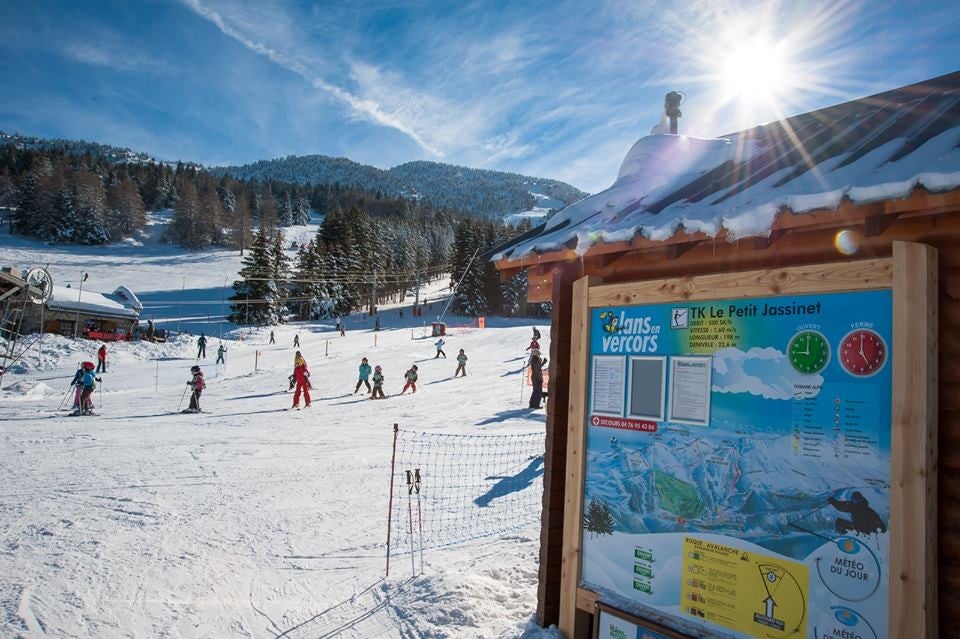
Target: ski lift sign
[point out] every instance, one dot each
(737, 468)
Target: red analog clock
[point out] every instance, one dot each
(863, 352)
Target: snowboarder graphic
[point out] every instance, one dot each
(301, 376)
(863, 518)
(609, 322)
(411, 377)
(461, 364)
(364, 376)
(197, 384)
(377, 384)
(221, 351)
(439, 344)
(202, 347)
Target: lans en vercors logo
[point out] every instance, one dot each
(629, 335)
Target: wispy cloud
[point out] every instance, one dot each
(362, 106)
(104, 51)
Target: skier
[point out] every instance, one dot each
(376, 326)
(272, 341)
(411, 377)
(461, 364)
(377, 384)
(364, 376)
(220, 352)
(102, 358)
(197, 385)
(202, 346)
(439, 344)
(863, 519)
(296, 340)
(339, 326)
(77, 384)
(301, 376)
(536, 364)
(534, 345)
(89, 385)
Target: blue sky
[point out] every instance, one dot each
(555, 89)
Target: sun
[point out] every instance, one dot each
(755, 71)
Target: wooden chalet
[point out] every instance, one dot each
(859, 195)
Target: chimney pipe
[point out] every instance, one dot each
(671, 105)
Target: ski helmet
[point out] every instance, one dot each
(377, 368)
(89, 366)
(364, 359)
(414, 367)
(194, 369)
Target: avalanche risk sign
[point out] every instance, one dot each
(705, 421)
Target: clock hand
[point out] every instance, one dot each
(807, 352)
(862, 354)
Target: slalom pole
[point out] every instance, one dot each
(416, 483)
(156, 379)
(69, 390)
(523, 379)
(413, 552)
(393, 458)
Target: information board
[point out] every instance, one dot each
(737, 467)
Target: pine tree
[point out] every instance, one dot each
(125, 212)
(598, 519)
(280, 267)
(284, 210)
(186, 228)
(255, 294)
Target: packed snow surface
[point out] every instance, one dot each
(248, 519)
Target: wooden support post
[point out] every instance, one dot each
(913, 478)
(576, 432)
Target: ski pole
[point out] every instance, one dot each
(182, 395)
(69, 390)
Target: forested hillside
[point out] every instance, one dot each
(474, 191)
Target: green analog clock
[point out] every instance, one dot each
(809, 352)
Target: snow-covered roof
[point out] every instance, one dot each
(121, 303)
(873, 149)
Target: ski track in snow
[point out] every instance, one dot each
(249, 520)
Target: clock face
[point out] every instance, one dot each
(809, 352)
(863, 352)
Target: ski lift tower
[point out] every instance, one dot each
(16, 293)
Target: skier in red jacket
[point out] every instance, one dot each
(102, 358)
(302, 377)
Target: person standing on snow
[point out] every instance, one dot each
(461, 364)
(411, 377)
(102, 358)
(377, 384)
(202, 346)
(296, 340)
(534, 345)
(536, 333)
(89, 385)
(536, 364)
(272, 341)
(77, 384)
(301, 375)
(364, 376)
(220, 352)
(439, 344)
(196, 383)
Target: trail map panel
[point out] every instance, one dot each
(758, 504)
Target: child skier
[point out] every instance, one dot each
(77, 384)
(221, 350)
(461, 364)
(197, 385)
(377, 384)
(202, 346)
(301, 376)
(439, 346)
(89, 385)
(296, 340)
(411, 377)
(534, 345)
(364, 376)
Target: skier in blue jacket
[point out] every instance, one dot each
(364, 376)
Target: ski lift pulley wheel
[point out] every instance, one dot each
(39, 278)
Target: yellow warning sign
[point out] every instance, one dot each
(758, 595)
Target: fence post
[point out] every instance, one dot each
(156, 380)
(375, 340)
(393, 458)
(256, 361)
(326, 351)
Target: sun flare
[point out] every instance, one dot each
(755, 71)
